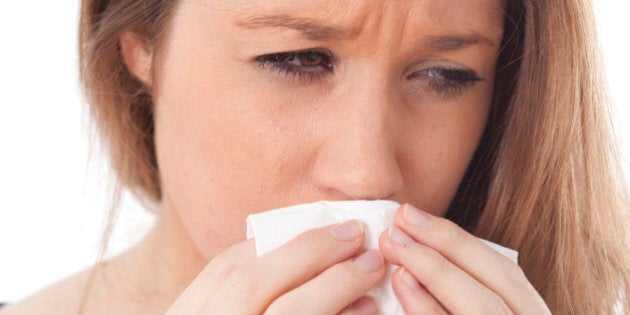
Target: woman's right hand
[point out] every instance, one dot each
(318, 272)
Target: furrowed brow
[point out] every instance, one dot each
(318, 31)
(455, 42)
(309, 28)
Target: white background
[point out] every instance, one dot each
(53, 191)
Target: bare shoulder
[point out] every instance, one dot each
(93, 291)
(63, 297)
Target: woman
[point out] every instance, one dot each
(486, 114)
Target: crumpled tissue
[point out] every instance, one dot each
(273, 228)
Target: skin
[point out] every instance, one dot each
(234, 138)
(362, 133)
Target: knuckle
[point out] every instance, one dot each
(239, 286)
(430, 305)
(221, 265)
(442, 265)
(438, 265)
(283, 306)
(309, 242)
(349, 276)
(494, 305)
(454, 235)
(345, 270)
(519, 283)
(513, 272)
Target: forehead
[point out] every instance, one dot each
(483, 16)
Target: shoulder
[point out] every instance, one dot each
(63, 297)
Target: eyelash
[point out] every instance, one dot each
(279, 63)
(447, 82)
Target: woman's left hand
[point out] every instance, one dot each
(444, 269)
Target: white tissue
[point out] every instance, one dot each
(273, 228)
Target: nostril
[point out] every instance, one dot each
(333, 194)
(355, 177)
(341, 188)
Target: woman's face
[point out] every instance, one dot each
(379, 100)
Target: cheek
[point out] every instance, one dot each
(221, 154)
(440, 142)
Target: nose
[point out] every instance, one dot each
(358, 159)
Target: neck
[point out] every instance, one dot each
(154, 272)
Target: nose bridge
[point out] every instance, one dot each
(369, 105)
(365, 99)
(358, 157)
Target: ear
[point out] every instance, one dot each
(138, 55)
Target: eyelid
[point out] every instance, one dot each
(463, 74)
(322, 51)
(434, 63)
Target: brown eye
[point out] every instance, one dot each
(311, 59)
(304, 59)
(309, 65)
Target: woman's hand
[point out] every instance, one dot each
(318, 272)
(445, 270)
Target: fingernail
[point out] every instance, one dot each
(416, 217)
(347, 231)
(410, 280)
(369, 261)
(400, 237)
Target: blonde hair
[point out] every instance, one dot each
(545, 179)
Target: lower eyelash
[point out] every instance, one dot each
(451, 88)
(448, 83)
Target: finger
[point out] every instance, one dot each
(335, 288)
(212, 277)
(456, 290)
(413, 297)
(219, 268)
(489, 267)
(363, 306)
(260, 281)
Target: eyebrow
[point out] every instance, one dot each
(454, 42)
(316, 31)
(310, 29)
